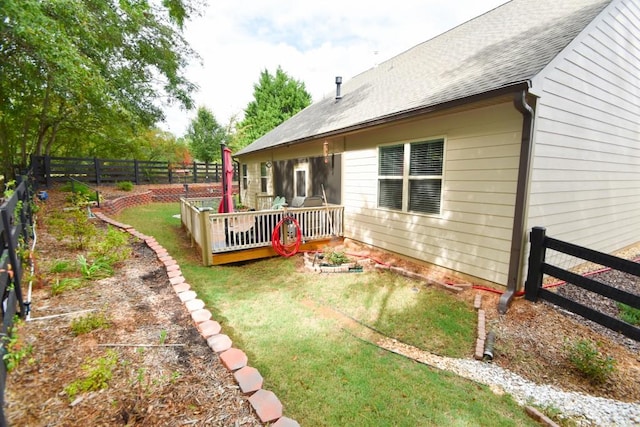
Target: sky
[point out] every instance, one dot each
(313, 41)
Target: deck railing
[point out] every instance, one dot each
(254, 229)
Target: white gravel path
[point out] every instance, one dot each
(583, 409)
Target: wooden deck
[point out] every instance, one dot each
(267, 252)
(241, 236)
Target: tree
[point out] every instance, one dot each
(83, 76)
(205, 135)
(276, 98)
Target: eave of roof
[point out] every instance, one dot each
(518, 40)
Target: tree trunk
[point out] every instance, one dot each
(43, 125)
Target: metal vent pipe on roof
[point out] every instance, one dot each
(338, 83)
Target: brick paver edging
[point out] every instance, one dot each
(264, 402)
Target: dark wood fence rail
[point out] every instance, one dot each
(538, 268)
(48, 170)
(16, 231)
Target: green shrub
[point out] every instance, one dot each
(81, 192)
(586, 357)
(112, 246)
(88, 323)
(72, 226)
(629, 314)
(124, 185)
(336, 258)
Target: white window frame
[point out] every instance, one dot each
(245, 176)
(406, 178)
(264, 177)
(301, 167)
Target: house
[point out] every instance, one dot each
(528, 115)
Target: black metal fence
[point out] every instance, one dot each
(540, 242)
(48, 170)
(16, 232)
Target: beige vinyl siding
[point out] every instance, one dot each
(585, 182)
(472, 234)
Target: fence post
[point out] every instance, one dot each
(195, 172)
(96, 164)
(205, 241)
(136, 172)
(536, 259)
(47, 171)
(170, 173)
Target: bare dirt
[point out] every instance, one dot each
(166, 375)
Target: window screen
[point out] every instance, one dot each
(416, 187)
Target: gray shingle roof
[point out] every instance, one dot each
(505, 46)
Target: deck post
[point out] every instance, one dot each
(205, 230)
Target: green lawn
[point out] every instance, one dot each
(288, 322)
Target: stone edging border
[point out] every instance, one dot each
(265, 403)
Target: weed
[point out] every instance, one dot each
(163, 337)
(124, 185)
(16, 349)
(88, 323)
(629, 314)
(66, 284)
(586, 357)
(98, 269)
(98, 372)
(62, 266)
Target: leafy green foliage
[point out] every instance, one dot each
(72, 226)
(336, 258)
(16, 348)
(124, 185)
(92, 270)
(98, 372)
(88, 323)
(66, 284)
(586, 357)
(276, 98)
(629, 314)
(81, 193)
(205, 136)
(112, 246)
(74, 71)
(61, 266)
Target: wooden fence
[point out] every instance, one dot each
(538, 268)
(16, 231)
(48, 170)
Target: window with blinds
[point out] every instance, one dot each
(416, 187)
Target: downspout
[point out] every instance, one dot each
(518, 233)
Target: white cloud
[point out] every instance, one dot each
(312, 40)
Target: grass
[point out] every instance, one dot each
(291, 326)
